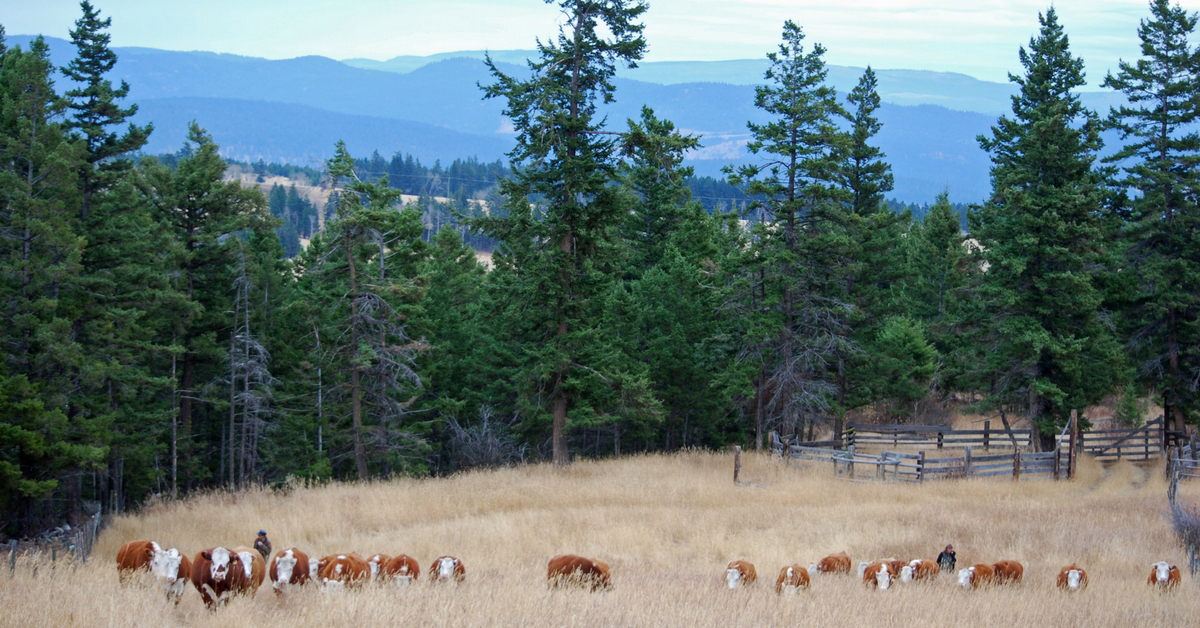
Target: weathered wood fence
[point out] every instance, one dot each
(932, 437)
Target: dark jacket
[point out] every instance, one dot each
(945, 561)
(263, 546)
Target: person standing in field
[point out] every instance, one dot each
(946, 559)
(263, 545)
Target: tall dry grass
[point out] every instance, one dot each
(667, 525)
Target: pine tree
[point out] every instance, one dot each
(1049, 349)
(1163, 149)
(566, 251)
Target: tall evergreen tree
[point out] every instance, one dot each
(567, 251)
(1163, 150)
(1049, 348)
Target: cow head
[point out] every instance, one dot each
(733, 577)
(285, 562)
(906, 573)
(1162, 572)
(165, 565)
(883, 577)
(374, 566)
(219, 563)
(445, 567)
(1073, 578)
(966, 576)
(862, 568)
(812, 570)
(247, 562)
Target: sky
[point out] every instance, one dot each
(979, 38)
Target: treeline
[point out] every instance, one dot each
(160, 342)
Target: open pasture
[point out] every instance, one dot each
(667, 526)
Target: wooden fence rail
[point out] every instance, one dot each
(933, 436)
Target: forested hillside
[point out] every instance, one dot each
(161, 341)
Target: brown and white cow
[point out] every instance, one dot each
(254, 567)
(1164, 575)
(740, 573)
(288, 569)
(217, 573)
(136, 556)
(833, 563)
(878, 575)
(1072, 578)
(376, 563)
(447, 569)
(572, 570)
(976, 576)
(1008, 572)
(791, 579)
(919, 569)
(173, 571)
(339, 571)
(402, 570)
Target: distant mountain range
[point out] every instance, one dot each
(294, 110)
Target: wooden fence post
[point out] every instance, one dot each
(987, 432)
(1016, 464)
(12, 557)
(921, 466)
(1057, 454)
(850, 462)
(967, 463)
(940, 435)
(1075, 443)
(737, 462)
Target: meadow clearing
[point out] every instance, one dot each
(667, 525)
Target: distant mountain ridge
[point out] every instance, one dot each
(294, 110)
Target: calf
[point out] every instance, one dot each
(791, 579)
(1164, 575)
(976, 576)
(739, 573)
(919, 569)
(173, 571)
(288, 569)
(376, 563)
(571, 570)
(254, 567)
(338, 571)
(833, 563)
(136, 556)
(1072, 578)
(402, 569)
(217, 574)
(1008, 572)
(878, 575)
(447, 568)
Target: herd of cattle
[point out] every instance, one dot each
(219, 573)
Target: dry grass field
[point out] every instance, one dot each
(667, 525)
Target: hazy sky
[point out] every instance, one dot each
(975, 37)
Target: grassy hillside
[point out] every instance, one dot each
(667, 525)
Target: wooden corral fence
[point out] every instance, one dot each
(932, 437)
(1138, 444)
(1182, 464)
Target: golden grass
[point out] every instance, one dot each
(667, 525)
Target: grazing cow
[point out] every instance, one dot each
(976, 576)
(338, 571)
(1072, 578)
(739, 573)
(1008, 572)
(254, 567)
(173, 571)
(571, 570)
(919, 569)
(375, 563)
(217, 574)
(878, 575)
(1164, 575)
(402, 569)
(833, 563)
(791, 579)
(289, 568)
(447, 568)
(136, 556)
(896, 566)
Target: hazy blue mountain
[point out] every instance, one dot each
(294, 110)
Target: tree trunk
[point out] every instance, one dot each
(360, 454)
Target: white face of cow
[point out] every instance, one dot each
(812, 570)
(247, 562)
(1073, 578)
(446, 567)
(862, 568)
(220, 564)
(1162, 571)
(374, 566)
(165, 565)
(906, 573)
(964, 577)
(313, 567)
(883, 578)
(733, 578)
(284, 564)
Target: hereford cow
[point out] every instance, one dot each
(739, 573)
(136, 556)
(1008, 572)
(288, 569)
(402, 569)
(339, 571)
(896, 566)
(878, 575)
(833, 563)
(1164, 575)
(791, 579)
(217, 573)
(976, 576)
(571, 570)
(376, 563)
(254, 567)
(919, 569)
(1072, 578)
(173, 571)
(447, 569)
